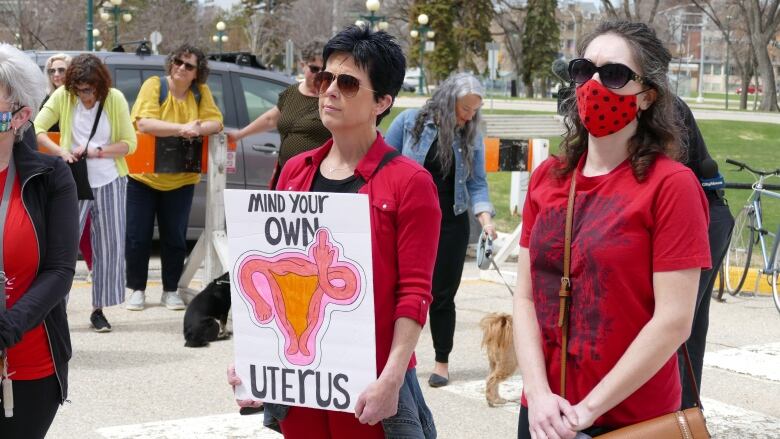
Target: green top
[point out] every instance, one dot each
(300, 127)
(61, 106)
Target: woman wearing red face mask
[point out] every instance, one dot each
(638, 244)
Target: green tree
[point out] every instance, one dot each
(540, 42)
(473, 30)
(462, 27)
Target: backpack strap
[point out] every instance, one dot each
(359, 182)
(164, 90)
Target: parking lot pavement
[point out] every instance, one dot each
(139, 381)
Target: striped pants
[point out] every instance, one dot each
(107, 230)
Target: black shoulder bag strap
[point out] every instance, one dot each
(359, 182)
(8, 397)
(94, 127)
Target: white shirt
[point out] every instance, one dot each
(101, 171)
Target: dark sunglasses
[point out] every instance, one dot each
(187, 66)
(611, 75)
(314, 69)
(348, 85)
(60, 70)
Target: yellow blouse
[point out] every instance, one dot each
(174, 110)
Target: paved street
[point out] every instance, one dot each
(139, 381)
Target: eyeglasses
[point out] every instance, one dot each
(84, 91)
(348, 85)
(60, 70)
(187, 66)
(314, 69)
(611, 75)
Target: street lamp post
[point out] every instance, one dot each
(220, 37)
(113, 8)
(573, 19)
(90, 14)
(422, 31)
(377, 22)
(700, 98)
(728, 44)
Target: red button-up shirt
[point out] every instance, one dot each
(405, 221)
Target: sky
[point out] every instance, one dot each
(225, 4)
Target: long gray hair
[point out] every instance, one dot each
(441, 109)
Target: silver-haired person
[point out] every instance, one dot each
(39, 206)
(444, 137)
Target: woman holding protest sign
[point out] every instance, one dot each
(363, 73)
(613, 242)
(95, 126)
(444, 137)
(39, 226)
(178, 107)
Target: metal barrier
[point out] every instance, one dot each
(211, 248)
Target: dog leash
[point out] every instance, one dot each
(502, 277)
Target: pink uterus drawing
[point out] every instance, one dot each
(295, 289)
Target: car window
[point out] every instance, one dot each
(259, 95)
(128, 81)
(217, 90)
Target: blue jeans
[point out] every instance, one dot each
(413, 420)
(172, 210)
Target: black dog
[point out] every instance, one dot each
(207, 313)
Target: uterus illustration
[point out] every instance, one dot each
(295, 292)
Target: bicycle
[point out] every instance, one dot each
(748, 231)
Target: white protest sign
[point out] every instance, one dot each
(303, 300)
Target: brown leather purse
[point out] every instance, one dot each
(682, 424)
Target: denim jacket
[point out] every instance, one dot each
(473, 188)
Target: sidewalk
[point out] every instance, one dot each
(705, 111)
(139, 381)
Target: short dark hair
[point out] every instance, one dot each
(88, 69)
(377, 53)
(203, 63)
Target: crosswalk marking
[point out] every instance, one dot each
(206, 427)
(761, 361)
(724, 421)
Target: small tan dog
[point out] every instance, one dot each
(498, 342)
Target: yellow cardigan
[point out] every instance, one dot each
(60, 108)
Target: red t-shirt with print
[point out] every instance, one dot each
(30, 359)
(623, 231)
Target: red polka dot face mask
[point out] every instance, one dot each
(602, 111)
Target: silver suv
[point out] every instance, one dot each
(242, 93)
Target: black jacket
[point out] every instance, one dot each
(49, 197)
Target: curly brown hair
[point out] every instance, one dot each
(188, 49)
(659, 130)
(88, 69)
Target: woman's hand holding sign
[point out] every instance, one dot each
(234, 380)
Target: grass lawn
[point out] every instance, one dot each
(753, 143)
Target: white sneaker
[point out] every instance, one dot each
(136, 301)
(172, 300)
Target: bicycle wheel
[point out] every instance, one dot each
(775, 275)
(737, 261)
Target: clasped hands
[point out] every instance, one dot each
(78, 153)
(553, 417)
